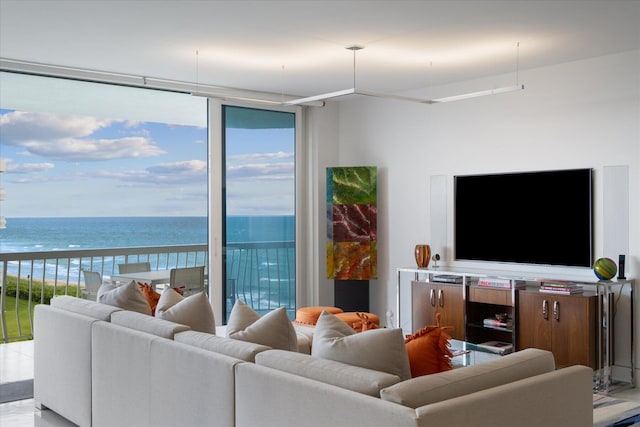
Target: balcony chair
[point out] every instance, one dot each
(192, 278)
(92, 282)
(134, 267)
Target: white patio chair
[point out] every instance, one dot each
(134, 267)
(192, 278)
(92, 282)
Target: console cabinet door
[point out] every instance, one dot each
(430, 298)
(563, 324)
(532, 322)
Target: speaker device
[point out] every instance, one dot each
(621, 267)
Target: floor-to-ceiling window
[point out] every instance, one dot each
(258, 208)
(91, 165)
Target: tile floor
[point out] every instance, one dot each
(16, 364)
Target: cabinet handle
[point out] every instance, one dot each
(556, 310)
(440, 298)
(545, 309)
(432, 297)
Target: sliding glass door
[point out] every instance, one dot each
(258, 208)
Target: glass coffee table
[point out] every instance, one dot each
(467, 354)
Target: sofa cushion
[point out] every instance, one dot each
(148, 324)
(194, 311)
(459, 382)
(378, 349)
(235, 348)
(126, 297)
(304, 331)
(305, 338)
(354, 378)
(85, 307)
(274, 329)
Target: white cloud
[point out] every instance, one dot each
(196, 167)
(73, 150)
(260, 170)
(29, 167)
(59, 137)
(261, 156)
(19, 126)
(178, 173)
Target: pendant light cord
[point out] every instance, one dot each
(197, 69)
(354, 68)
(518, 64)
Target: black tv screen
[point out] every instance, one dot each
(543, 217)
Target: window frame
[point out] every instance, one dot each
(215, 214)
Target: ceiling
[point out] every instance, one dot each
(298, 47)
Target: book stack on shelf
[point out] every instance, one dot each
(496, 282)
(498, 323)
(498, 347)
(562, 288)
(447, 278)
(492, 282)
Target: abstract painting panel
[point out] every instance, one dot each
(352, 223)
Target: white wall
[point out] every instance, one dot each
(321, 129)
(583, 114)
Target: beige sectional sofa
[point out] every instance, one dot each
(97, 365)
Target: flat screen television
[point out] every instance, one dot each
(541, 217)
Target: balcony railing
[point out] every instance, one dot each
(260, 274)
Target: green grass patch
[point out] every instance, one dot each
(26, 290)
(35, 289)
(23, 317)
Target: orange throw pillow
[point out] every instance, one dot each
(366, 323)
(151, 296)
(359, 321)
(428, 350)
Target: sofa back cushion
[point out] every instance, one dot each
(354, 378)
(462, 381)
(190, 386)
(239, 349)
(62, 362)
(148, 324)
(378, 349)
(84, 307)
(120, 373)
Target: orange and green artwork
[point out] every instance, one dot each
(352, 242)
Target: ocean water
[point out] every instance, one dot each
(59, 234)
(55, 234)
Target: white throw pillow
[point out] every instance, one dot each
(274, 329)
(194, 311)
(378, 349)
(126, 297)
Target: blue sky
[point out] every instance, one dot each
(75, 148)
(66, 165)
(70, 165)
(260, 171)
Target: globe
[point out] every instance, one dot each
(605, 268)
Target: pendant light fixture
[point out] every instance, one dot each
(356, 91)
